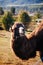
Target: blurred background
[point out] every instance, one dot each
(30, 13)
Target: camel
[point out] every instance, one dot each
(26, 45)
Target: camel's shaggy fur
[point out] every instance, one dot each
(27, 45)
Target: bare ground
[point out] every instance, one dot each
(7, 57)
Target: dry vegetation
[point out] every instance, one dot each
(7, 57)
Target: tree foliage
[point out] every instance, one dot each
(24, 17)
(1, 11)
(13, 10)
(38, 15)
(7, 20)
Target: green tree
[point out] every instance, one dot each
(13, 10)
(38, 15)
(1, 11)
(24, 17)
(7, 20)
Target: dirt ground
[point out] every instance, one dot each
(7, 57)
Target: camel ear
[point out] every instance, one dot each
(11, 30)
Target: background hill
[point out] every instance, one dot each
(6, 2)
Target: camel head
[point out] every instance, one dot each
(18, 29)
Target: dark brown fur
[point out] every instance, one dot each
(27, 45)
(39, 39)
